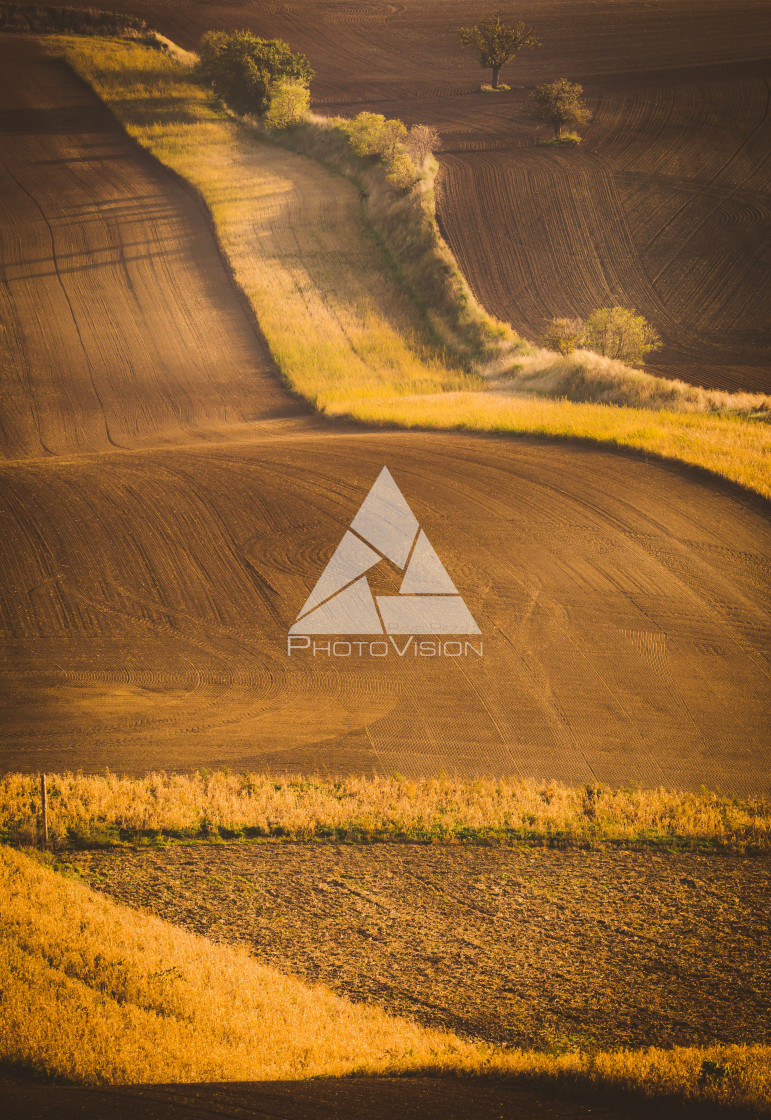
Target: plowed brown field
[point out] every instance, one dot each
(665, 207)
(120, 328)
(147, 590)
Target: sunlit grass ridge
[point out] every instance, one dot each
(342, 330)
(337, 325)
(96, 992)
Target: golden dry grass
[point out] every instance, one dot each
(342, 330)
(94, 992)
(93, 809)
(407, 224)
(736, 449)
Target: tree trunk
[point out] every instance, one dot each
(558, 132)
(496, 72)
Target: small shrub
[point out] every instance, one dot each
(620, 333)
(289, 103)
(401, 170)
(371, 134)
(591, 800)
(564, 335)
(28, 834)
(712, 1072)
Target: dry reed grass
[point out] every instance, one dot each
(589, 377)
(86, 809)
(736, 449)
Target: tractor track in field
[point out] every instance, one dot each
(146, 591)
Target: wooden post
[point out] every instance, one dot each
(44, 803)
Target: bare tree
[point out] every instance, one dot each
(422, 140)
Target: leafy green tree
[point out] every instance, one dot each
(372, 134)
(244, 70)
(559, 103)
(619, 332)
(497, 42)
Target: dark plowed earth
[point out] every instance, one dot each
(665, 207)
(532, 948)
(146, 593)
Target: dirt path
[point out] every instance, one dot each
(146, 594)
(534, 948)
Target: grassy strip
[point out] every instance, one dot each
(342, 330)
(93, 992)
(80, 21)
(338, 325)
(406, 223)
(738, 450)
(90, 811)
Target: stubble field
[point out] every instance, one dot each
(529, 947)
